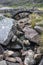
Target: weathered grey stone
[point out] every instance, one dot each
(6, 33)
(16, 47)
(14, 38)
(31, 34)
(23, 22)
(23, 15)
(3, 62)
(26, 42)
(10, 59)
(29, 59)
(11, 63)
(1, 49)
(40, 50)
(8, 53)
(16, 54)
(16, 59)
(18, 33)
(37, 56)
(39, 29)
(1, 57)
(41, 63)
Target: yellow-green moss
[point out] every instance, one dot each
(8, 15)
(35, 18)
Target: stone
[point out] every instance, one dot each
(3, 62)
(26, 42)
(18, 59)
(31, 34)
(1, 49)
(8, 53)
(37, 57)
(23, 15)
(39, 29)
(14, 60)
(38, 60)
(16, 54)
(11, 63)
(1, 57)
(19, 33)
(6, 33)
(10, 59)
(29, 59)
(40, 50)
(41, 62)
(23, 22)
(14, 38)
(16, 47)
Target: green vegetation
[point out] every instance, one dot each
(35, 18)
(8, 15)
(28, 4)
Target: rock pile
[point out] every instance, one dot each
(19, 42)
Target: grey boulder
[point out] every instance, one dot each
(6, 32)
